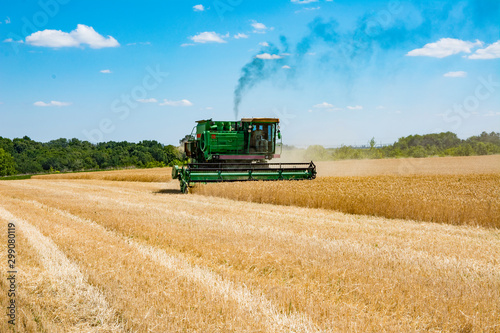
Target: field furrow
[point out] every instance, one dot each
(39, 307)
(89, 309)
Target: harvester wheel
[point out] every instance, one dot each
(184, 187)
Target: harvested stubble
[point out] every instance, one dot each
(60, 286)
(171, 262)
(472, 199)
(130, 175)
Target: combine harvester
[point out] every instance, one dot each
(228, 151)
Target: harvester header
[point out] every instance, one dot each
(221, 151)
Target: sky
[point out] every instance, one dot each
(334, 72)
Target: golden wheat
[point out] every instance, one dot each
(145, 295)
(172, 262)
(130, 175)
(88, 310)
(472, 199)
(411, 166)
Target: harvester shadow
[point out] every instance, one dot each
(168, 191)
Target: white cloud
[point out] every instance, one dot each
(286, 67)
(7, 21)
(106, 71)
(265, 44)
(260, 28)
(198, 8)
(147, 100)
(357, 107)
(240, 35)
(380, 107)
(302, 2)
(490, 52)
(51, 103)
(323, 105)
(307, 9)
(81, 35)
(267, 56)
(140, 43)
(187, 44)
(182, 102)
(52, 38)
(326, 106)
(455, 74)
(10, 40)
(444, 47)
(491, 114)
(208, 37)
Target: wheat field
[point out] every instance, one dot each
(131, 175)
(454, 190)
(411, 166)
(130, 256)
(472, 199)
(401, 167)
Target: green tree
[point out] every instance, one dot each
(481, 148)
(465, 150)
(172, 155)
(417, 151)
(7, 163)
(372, 143)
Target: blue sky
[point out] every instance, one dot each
(334, 72)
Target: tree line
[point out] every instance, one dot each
(438, 144)
(26, 156)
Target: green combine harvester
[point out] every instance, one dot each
(228, 151)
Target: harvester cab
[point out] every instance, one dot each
(222, 151)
